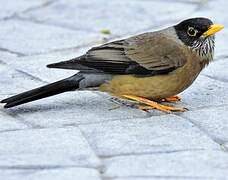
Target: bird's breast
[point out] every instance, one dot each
(157, 86)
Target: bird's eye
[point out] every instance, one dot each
(191, 31)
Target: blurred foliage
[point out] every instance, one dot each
(105, 31)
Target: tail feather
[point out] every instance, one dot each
(69, 64)
(58, 87)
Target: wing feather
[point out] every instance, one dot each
(148, 53)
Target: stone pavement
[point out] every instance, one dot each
(75, 135)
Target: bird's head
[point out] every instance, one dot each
(198, 34)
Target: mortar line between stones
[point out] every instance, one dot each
(59, 25)
(209, 106)
(202, 130)
(215, 78)
(76, 47)
(102, 167)
(45, 4)
(31, 76)
(21, 120)
(176, 1)
(98, 122)
(35, 21)
(153, 153)
(24, 73)
(147, 115)
(161, 177)
(12, 52)
(220, 58)
(16, 16)
(114, 120)
(44, 167)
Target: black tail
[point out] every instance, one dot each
(58, 87)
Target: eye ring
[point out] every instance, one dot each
(191, 31)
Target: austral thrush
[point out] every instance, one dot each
(147, 68)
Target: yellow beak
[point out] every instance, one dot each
(213, 29)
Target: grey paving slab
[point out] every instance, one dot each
(187, 164)
(216, 10)
(158, 178)
(10, 7)
(6, 56)
(9, 123)
(119, 16)
(38, 38)
(45, 148)
(13, 81)
(225, 146)
(73, 108)
(83, 136)
(47, 174)
(151, 135)
(204, 92)
(212, 120)
(163, 177)
(218, 70)
(36, 65)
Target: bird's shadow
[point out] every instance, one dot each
(106, 104)
(58, 106)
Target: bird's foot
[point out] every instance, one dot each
(172, 99)
(119, 101)
(114, 107)
(145, 108)
(149, 104)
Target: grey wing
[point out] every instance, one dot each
(140, 55)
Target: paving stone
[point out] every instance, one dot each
(9, 123)
(133, 145)
(13, 81)
(156, 178)
(204, 92)
(45, 148)
(189, 164)
(215, 10)
(38, 38)
(10, 7)
(226, 146)
(136, 136)
(160, 178)
(120, 17)
(73, 108)
(47, 174)
(218, 70)
(211, 120)
(36, 65)
(6, 56)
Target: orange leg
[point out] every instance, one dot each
(153, 105)
(172, 99)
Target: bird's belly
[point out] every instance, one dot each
(153, 87)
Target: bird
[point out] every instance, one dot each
(148, 68)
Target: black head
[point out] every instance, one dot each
(191, 30)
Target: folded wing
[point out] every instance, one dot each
(147, 53)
